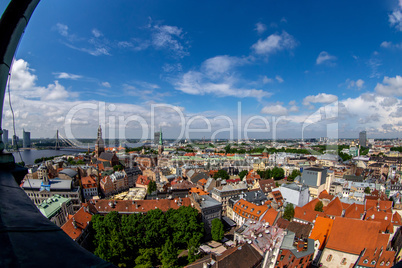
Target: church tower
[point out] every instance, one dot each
(99, 145)
(160, 146)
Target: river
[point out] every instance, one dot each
(29, 156)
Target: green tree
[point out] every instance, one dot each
(117, 167)
(22, 163)
(221, 174)
(151, 187)
(243, 173)
(293, 175)
(217, 230)
(367, 190)
(192, 247)
(344, 156)
(278, 173)
(319, 206)
(168, 255)
(289, 212)
(148, 257)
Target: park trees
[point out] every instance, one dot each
(217, 230)
(147, 240)
(289, 212)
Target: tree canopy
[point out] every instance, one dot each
(289, 212)
(221, 174)
(319, 206)
(217, 230)
(137, 239)
(151, 187)
(293, 175)
(243, 173)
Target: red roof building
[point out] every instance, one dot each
(104, 206)
(77, 226)
(348, 238)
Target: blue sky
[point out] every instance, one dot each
(292, 60)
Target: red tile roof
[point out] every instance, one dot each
(88, 182)
(138, 206)
(143, 180)
(321, 231)
(307, 214)
(270, 216)
(334, 208)
(247, 209)
(396, 219)
(282, 223)
(377, 257)
(325, 195)
(198, 191)
(354, 211)
(352, 236)
(81, 219)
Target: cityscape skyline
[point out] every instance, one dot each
(131, 56)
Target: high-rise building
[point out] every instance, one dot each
(363, 139)
(100, 144)
(156, 137)
(5, 136)
(26, 139)
(15, 140)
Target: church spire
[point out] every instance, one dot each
(99, 145)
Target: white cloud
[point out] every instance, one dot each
(395, 18)
(62, 29)
(376, 113)
(21, 76)
(386, 44)
(23, 83)
(54, 92)
(97, 33)
(197, 83)
(390, 101)
(221, 64)
(279, 79)
(359, 83)
(320, 98)
(325, 57)
(292, 102)
(267, 80)
(63, 75)
(168, 37)
(397, 113)
(274, 43)
(260, 27)
(106, 84)
(390, 86)
(294, 109)
(390, 45)
(276, 109)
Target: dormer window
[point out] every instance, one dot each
(252, 209)
(365, 261)
(373, 262)
(382, 263)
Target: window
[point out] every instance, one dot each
(365, 261)
(382, 263)
(343, 262)
(281, 258)
(329, 258)
(373, 262)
